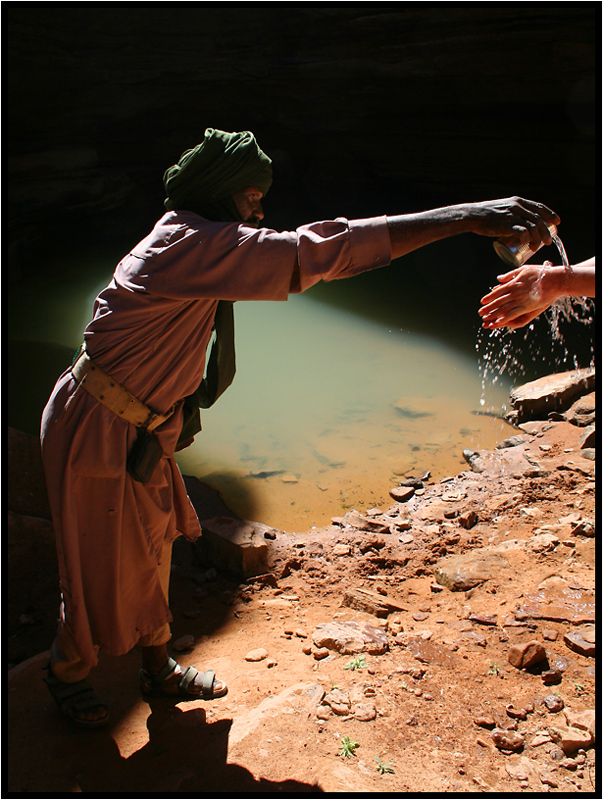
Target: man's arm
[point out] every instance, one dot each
(508, 218)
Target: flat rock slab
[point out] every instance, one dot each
(431, 653)
(582, 640)
(555, 600)
(348, 638)
(463, 572)
(370, 602)
(536, 399)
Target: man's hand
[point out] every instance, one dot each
(501, 219)
(513, 217)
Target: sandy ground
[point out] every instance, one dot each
(418, 717)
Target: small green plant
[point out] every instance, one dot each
(495, 669)
(579, 687)
(347, 747)
(383, 768)
(356, 663)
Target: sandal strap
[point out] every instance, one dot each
(155, 680)
(186, 680)
(207, 687)
(78, 696)
(167, 669)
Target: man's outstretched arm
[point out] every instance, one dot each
(504, 219)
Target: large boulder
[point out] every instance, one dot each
(538, 398)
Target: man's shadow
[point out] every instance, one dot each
(184, 754)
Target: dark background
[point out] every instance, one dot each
(365, 108)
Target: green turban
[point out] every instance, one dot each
(206, 177)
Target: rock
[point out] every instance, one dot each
(348, 638)
(523, 656)
(536, 399)
(363, 523)
(371, 603)
(555, 600)
(468, 519)
(550, 677)
(365, 712)
(507, 740)
(321, 653)
(338, 701)
(550, 634)
(570, 739)
(235, 545)
(341, 550)
(540, 738)
(542, 543)
(371, 543)
(588, 438)
(401, 494)
(259, 654)
(585, 527)
(186, 642)
(583, 720)
(462, 572)
(553, 703)
(520, 770)
(511, 462)
(484, 619)
(582, 412)
(484, 721)
(516, 713)
(582, 640)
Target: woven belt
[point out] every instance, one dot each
(114, 396)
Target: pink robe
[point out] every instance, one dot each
(150, 331)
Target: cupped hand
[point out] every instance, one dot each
(519, 297)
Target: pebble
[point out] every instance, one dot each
(523, 656)
(401, 494)
(365, 712)
(553, 703)
(484, 721)
(516, 713)
(551, 676)
(259, 654)
(186, 642)
(507, 739)
(320, 652)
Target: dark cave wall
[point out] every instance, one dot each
(365, 109)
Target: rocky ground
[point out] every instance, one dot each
(446, 643)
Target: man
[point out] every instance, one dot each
(114, 420)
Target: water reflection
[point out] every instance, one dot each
(329, 410)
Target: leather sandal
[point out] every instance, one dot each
(153, 685)
(75, 699)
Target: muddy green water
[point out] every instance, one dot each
(328, 410)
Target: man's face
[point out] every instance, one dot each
(249, 205)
